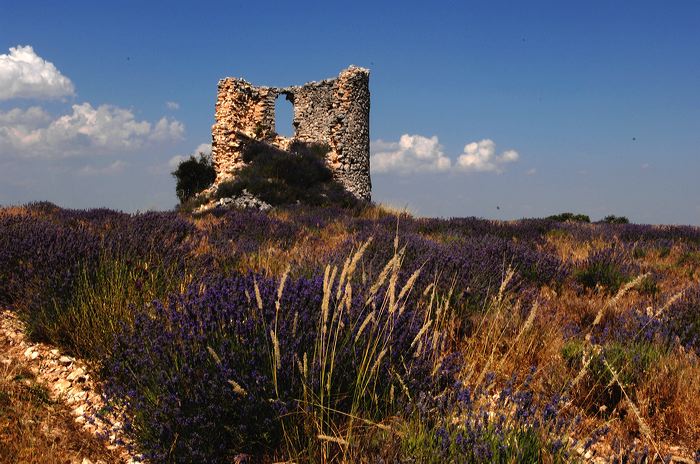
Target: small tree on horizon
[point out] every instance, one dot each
(612, 219)
(193, 175)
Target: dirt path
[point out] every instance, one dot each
(52, 399)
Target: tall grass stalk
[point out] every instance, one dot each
(369, 332)
(107, 296)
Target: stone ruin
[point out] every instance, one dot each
(333, 112)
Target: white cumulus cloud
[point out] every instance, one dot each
(172, 105)
(412, 153)
(416, 154)
(85, 130)
(167, 129)
(31, 117)
(113, 168)
(481, 156)
(24, 74)
(204, 148)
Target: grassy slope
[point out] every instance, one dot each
(642, 390)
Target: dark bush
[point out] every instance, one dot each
(612, 219)
(193, 175)
(569, 217)
(280, 177)
(608, 268)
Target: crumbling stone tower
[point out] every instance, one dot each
(334, 112)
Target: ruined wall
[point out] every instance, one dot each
(333, 111)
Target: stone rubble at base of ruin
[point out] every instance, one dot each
(334, 112)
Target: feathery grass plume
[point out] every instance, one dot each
(348, 298)
(276, 349)
(393, 280)
(306, 367)
(510, 272)
(304, 371)
(587, 357)
(258, 298)
(338, 316)
(337, 440)
(213, 354)
(381, 279)
(341, 280)
(530, 319)
(417, 352)
(273, 332)
(526, 326)
(422, 331)
(322, 350)
(237, 388)
(328, 279)
(295, 323)
(620, 293)
(351, 264)
(441, 331)
(670, 302)
(369, 318)
(356, 258)
(378, 361)
(409, 283)
(280, 289)
(276, 360)
(661, 310)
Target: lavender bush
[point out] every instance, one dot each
(237, 364)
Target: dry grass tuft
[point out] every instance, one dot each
(669, 398)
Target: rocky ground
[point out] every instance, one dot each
(72, 414)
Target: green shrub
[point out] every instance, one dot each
(607, 275)
(649, 286)
(612, 219)
(572, 352)
(689, 258)
(569, 217)
(630, 360)
(639, 252)
(193, 175)
(106, 297)
(280, 177)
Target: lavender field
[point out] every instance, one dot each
(367, 335)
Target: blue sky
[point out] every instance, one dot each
(599, 101)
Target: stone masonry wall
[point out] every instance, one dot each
(333, 111)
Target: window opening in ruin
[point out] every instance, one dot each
(284, 116)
